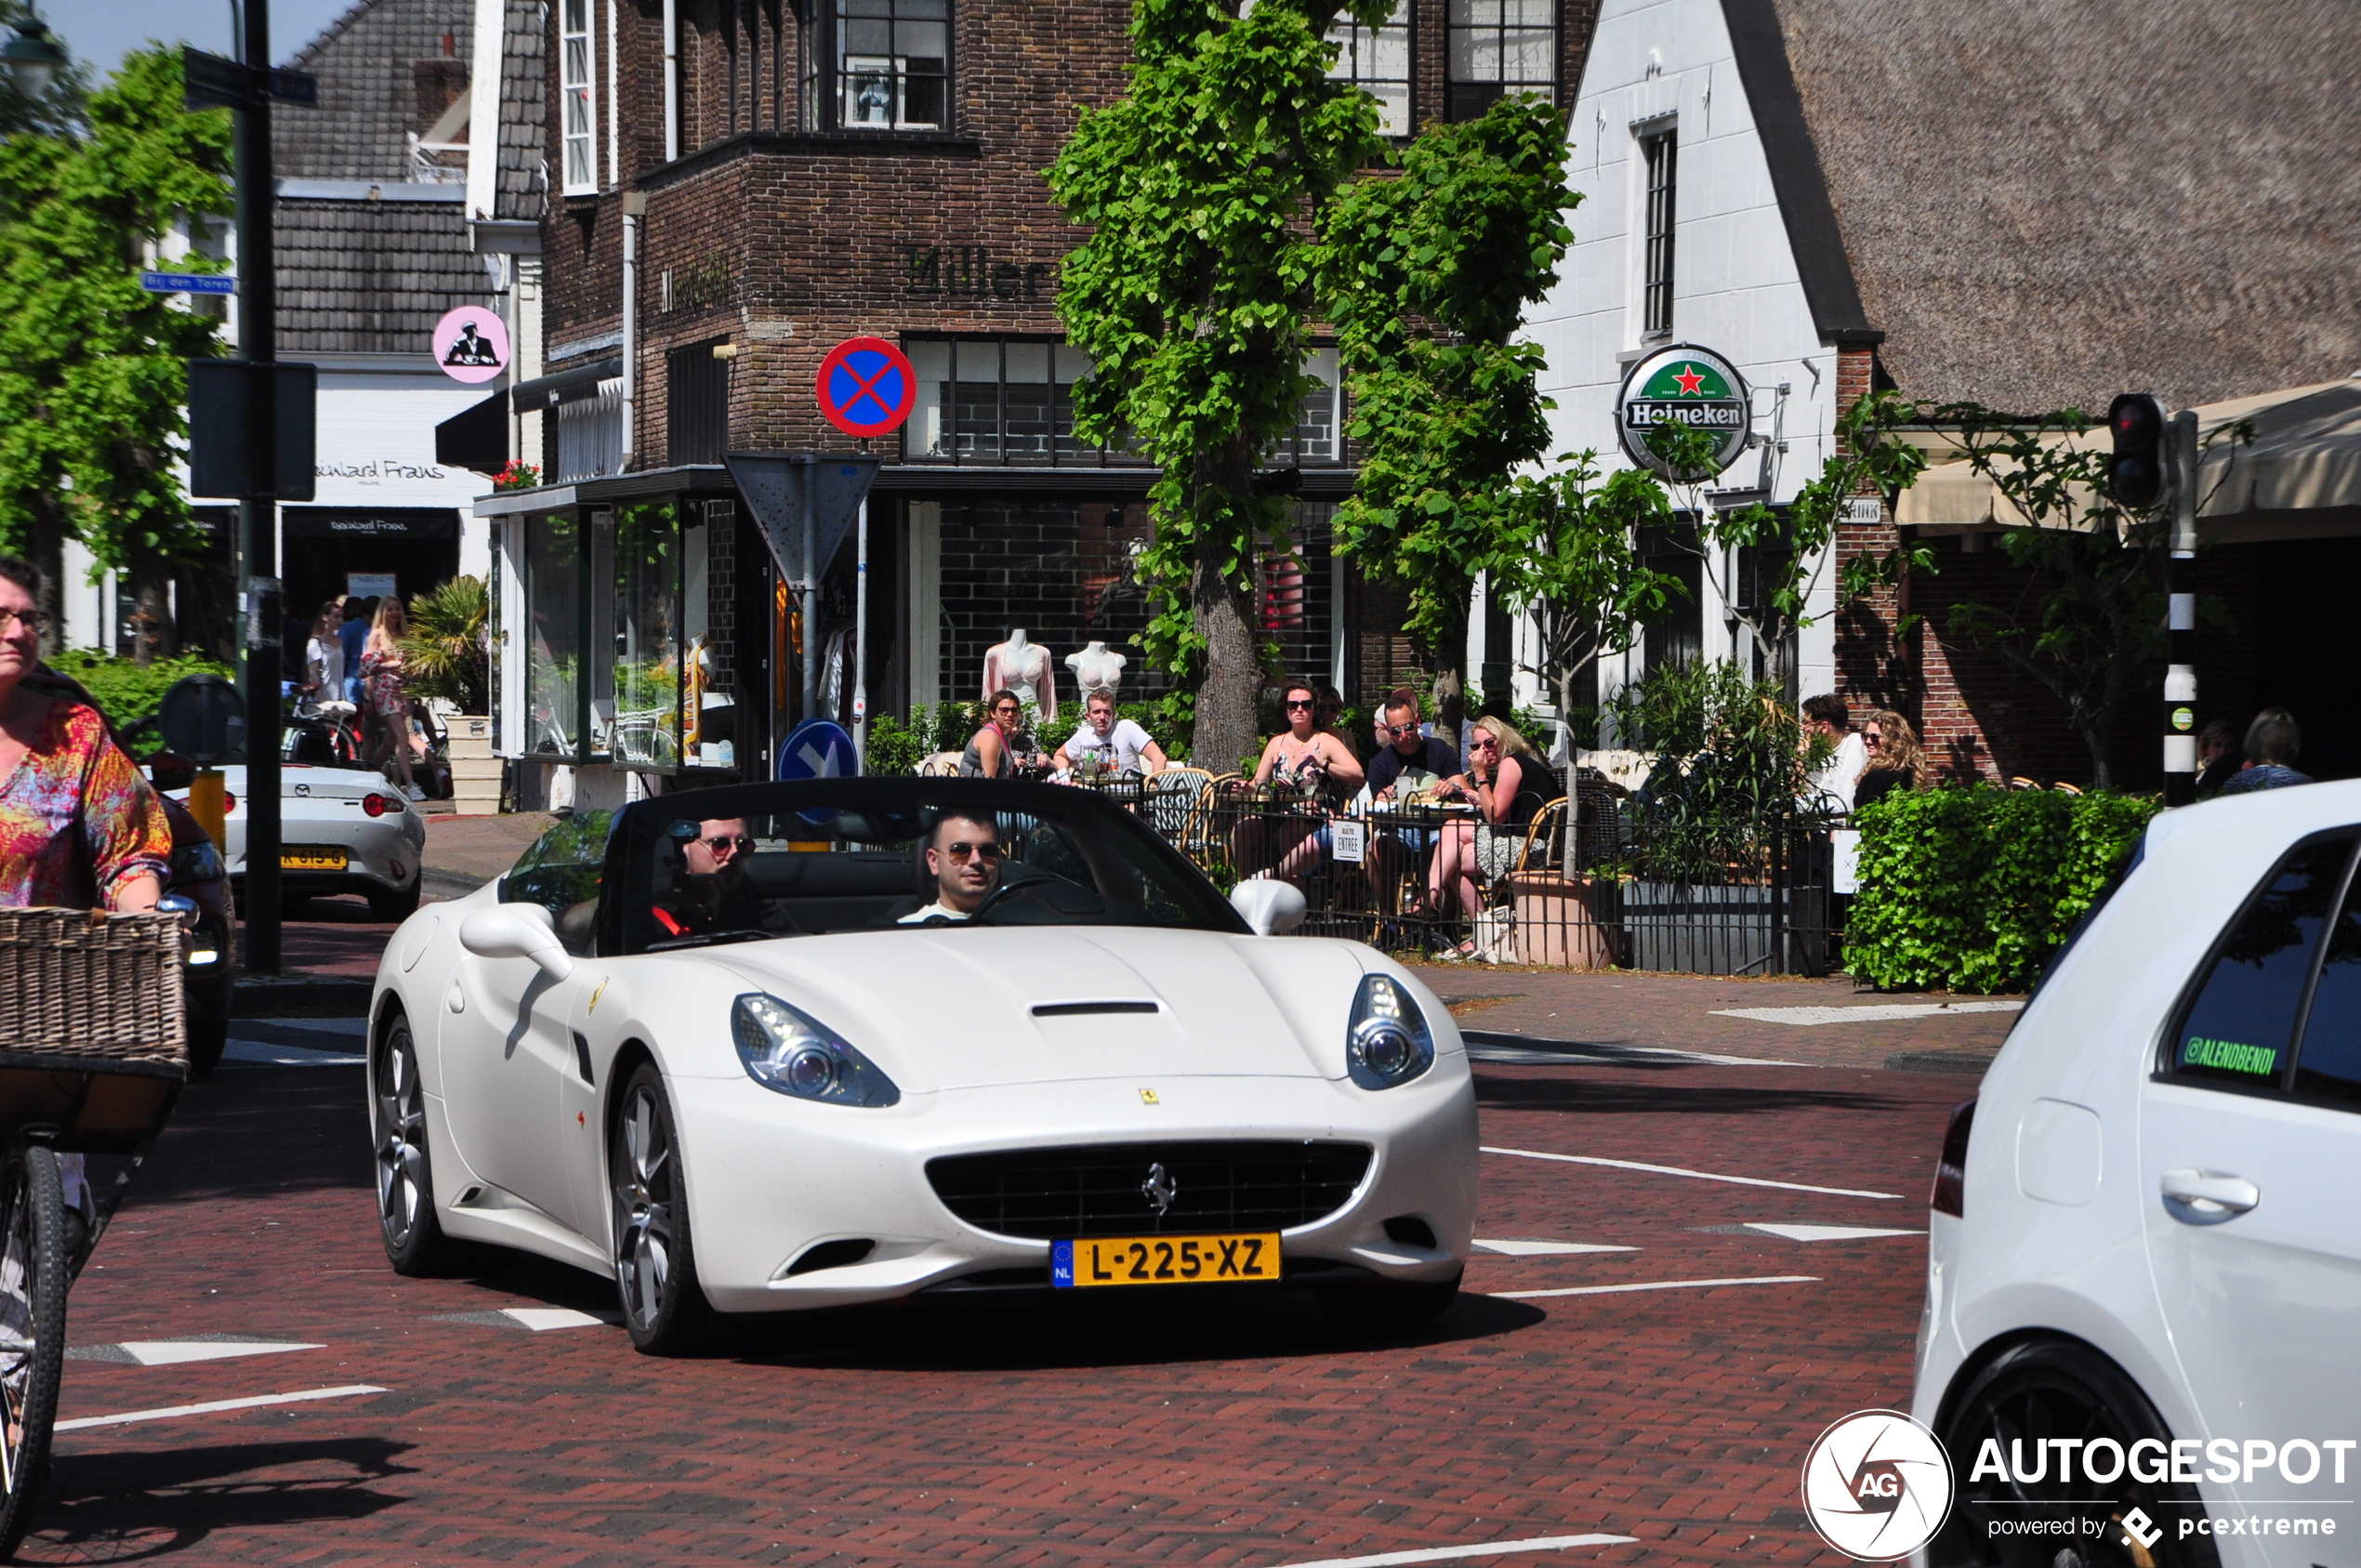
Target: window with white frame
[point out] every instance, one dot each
(577, 56)
(1319, 431)
(1498, 48)
(892, 64)
(1378, 60)
(1660, 154)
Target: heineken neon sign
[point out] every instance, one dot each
(1688, 387)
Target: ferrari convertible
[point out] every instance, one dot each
(770, 1047)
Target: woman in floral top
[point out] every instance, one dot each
(78, 824)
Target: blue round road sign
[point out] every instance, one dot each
(867, 387)
(818, 749)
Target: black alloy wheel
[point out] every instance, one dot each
(2054, 1389)
(655, 1271)
(33, 1277)
(406, 1220)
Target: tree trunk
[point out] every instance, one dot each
(154, 636)
(1231, 689)
(49, 552)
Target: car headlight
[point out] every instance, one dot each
(787, 1049)
(1388, 1042)
(196, 861)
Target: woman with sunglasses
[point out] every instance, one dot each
(996, 751)
(1507, 782)
(1309, 759)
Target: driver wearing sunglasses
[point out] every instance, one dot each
(711, 893)
(964, 859)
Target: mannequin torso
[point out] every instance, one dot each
(1095, 666)
(1023, 667)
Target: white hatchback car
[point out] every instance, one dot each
(342, 830)
(2144, 1285)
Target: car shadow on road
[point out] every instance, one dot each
(260, 1132)
(1045, 1331)
(128, 1507)
(1614, 1096)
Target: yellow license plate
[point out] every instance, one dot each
(1219, 1259)
(300, 859)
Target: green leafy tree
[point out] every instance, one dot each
(92, 384)
(1427, 277)
(1201, 185)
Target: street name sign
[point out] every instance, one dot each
(189, 282)
(1689, 387)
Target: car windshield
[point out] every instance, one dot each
(759, 861)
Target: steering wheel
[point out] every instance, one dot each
(1010, 886)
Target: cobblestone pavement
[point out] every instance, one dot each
(1251, 1435)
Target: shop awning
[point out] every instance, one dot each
(2300, 477)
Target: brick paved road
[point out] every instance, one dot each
(1040, 1433)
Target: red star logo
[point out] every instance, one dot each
(1690, 381)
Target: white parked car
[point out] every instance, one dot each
(802, 1045)
(2143, 1289)
(342, 830)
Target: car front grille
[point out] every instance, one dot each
(1103, 1189)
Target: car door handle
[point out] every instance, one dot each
(2201, 1198)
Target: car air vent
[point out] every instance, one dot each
(1110, 1189)
(832, 1255)
(1079, 1010)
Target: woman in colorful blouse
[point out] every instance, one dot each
(79, 827)
(384, 697)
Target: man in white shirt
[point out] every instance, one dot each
(964, 858)
(1832, 783)
(1120, 746)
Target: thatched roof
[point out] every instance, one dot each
(2042, 204)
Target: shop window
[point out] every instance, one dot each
(997, 399)
(1501, 46)
(553, 645)
(1660, 153)
(1378, 60)
(577, 93)
(647, 638)
(879, 65)
(1319, 432)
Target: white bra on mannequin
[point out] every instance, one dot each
(1095, 666)
(1021, 666)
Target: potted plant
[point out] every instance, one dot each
(446, 655)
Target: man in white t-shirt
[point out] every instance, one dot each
(964, 859)
(1120, 746)
(1833, 780)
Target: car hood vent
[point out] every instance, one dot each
(1076, 1009)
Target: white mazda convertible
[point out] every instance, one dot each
(801, 1045)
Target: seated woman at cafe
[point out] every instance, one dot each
(1117, 746)
(1507, 782)
(1310, 759)
(1001, 747)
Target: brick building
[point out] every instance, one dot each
(796, 174)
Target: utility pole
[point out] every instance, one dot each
(259, 510)
(2180, 585)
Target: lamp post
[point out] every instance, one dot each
(34, 58)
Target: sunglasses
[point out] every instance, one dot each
(725, 843)
(990, 851)
(1483, 743)
(1006, 712)
(1399, 732)
(1293, 705)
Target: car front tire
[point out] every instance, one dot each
(2054, 1389)
(655, 1269)
(415, 1242)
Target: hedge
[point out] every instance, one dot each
(1973, 889)
(129, 692)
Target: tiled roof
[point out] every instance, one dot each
(386, 69)
(524, 183)
(372, 277)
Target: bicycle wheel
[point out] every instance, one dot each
(33, 1331)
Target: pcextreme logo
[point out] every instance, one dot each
(1876, 1485)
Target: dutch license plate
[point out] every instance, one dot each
(1218, 1259)
(299, 858)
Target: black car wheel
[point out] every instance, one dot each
(412, 1235)
(2053, 1389)
(655, 1268)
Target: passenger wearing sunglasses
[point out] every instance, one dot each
(711, 893)
(964, 859)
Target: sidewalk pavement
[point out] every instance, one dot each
(1817, 1023)
(463, 854)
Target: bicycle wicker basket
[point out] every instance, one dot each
(86, 983)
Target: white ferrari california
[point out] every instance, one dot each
(800, 1045)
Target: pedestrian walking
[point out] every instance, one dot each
(359, 612)
(324, 656)
(1831, 786)
(386, 695)
(2272, 745)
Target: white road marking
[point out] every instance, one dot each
(267, 1053)
(1874, 1012)
(1694, 1175)
(1654, 1284)
(172, 1352)
(542, 1319)
(1826, 1232)
(1453, 1554)
(1545, 1249)
(301, 1396)
(1485, 1045)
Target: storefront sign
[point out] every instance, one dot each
(471, 344)
(1690, 388)
(969, 272)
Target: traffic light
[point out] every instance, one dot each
(2136, 472)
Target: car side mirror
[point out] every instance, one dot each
(1271, 906)
(517, 930)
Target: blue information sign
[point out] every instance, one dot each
(818, 749)
(188, 282)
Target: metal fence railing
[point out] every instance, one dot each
(1593, 881)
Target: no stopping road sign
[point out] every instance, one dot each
(867, 387)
